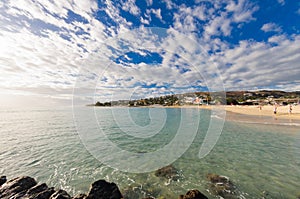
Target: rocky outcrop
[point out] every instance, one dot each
(193, 194)
(221, 186)
(104, 190)
(2, 180)
(27, 187)
(169, 172)
(17, 187)
(60, 194)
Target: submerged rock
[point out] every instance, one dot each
(221, 185)
(145, 191)
(194, 194)
(169, 172)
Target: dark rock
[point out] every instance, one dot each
(214, 178)
(44, 194)
(36, 189)
(26, 187)
(221, 185)
(80, 196)
(194, 194)
(180, 196)
(168, 172)
(104, 190)
(2, 180)
(60, 194)
(16, 187)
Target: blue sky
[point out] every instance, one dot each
(106, 50)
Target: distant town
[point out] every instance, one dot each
(262, 97)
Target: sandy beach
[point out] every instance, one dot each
(282, 111)
(268, 110)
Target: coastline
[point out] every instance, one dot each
(267, 111)
(246, 110)
(28, 187)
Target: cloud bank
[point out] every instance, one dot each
(109, 49)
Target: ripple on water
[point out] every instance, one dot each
(260, 159)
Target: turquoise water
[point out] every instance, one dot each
(262, 160)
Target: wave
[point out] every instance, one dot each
(268, 123)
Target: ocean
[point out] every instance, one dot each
(71, 148)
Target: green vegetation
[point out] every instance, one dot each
(262, 97)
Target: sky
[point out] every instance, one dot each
(56, 52)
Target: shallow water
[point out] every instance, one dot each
(262, 160)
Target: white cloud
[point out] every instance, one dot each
(242, 10)
(41, 62)
(144, 21)
(169, 4)
(258, 64)
(281, 2)
(157, 13)
(149, 2)
(216, 22)
(298, 11)
(218, 26)
(271, 27)
(131, 7)
(277, 39)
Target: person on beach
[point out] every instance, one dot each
(275, 109)
(290, 109)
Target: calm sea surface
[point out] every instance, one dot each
(262, 160)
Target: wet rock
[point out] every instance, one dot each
(104, 190)
(2, 180)
(16, 187)
(194, 194)
(60, 194)
(43, 194)
(169, 172)
(26, 187)
(80, 196)
(221, 186)
(36, 190)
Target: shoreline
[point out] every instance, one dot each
(253, 110)
(282, 111)
(28, 187)
(246, 110)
